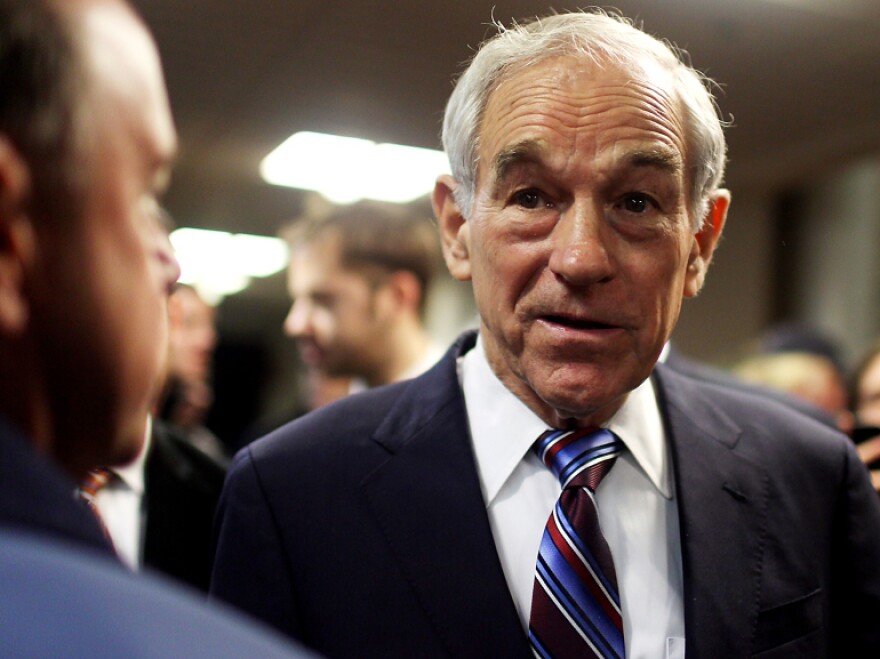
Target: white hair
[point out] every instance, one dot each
(602, 38)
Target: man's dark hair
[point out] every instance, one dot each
(375, 240)
(41, 82)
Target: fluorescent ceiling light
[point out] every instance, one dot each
(218, 263)
(346, 169)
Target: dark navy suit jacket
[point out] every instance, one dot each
(61, 601)
(63, 593)
(361, 528)
(37, 496)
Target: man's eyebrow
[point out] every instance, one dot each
(667, 160)
(530, 152)
(527, 151)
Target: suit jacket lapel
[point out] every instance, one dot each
(430, 483)
(722, 506)
(427, 500)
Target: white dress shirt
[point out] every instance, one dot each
(120, 503)
(637, 510)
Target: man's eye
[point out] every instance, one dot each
(530, 199)
(324, 300)
(636, 203)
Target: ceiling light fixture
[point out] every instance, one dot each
(347, 169)
(217, 263)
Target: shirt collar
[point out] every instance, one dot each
(639, 424)
(504, 429)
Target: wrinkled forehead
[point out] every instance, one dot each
(578, 95)
(646, 73)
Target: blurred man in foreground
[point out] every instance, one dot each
(86, 144)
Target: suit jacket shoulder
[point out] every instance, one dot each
(359, 433)
(780, 526)
(361, 529)
(37, 496)
(59, 601)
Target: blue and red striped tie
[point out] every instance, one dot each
(88, 492)
(575, 603)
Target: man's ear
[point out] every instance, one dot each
(405, 290)
(454, 229)
(705, 242)
(17, 240)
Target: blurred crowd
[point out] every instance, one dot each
(805, 363)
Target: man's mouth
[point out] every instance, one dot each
(577, 323)
(309, 353)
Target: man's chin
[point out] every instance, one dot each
(130, 442)
(579, 411)
(581, 394)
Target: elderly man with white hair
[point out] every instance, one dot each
(547, 489)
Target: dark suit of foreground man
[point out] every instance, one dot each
(86, 142)
(62, 602)
(584, 206)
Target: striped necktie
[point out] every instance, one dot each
(88, 492)
(575, 603)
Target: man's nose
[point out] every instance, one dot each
(580, 253)
(169, 266)
(298, 321)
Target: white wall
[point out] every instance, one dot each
(734, 304)
(837, 279)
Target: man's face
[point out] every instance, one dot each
(338, 317)
(105, 272)
(193, 335)
(580, 245)
(868, 395)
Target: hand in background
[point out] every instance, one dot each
(869, 452)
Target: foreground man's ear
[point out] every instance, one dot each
(705, 241)
(16, 239)
(454, 229)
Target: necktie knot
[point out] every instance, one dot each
(93, 482)
(581, 457)
(88, 490)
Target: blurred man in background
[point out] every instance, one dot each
(359, 280)
(188, 392)
(864, 400)
(809, 377)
